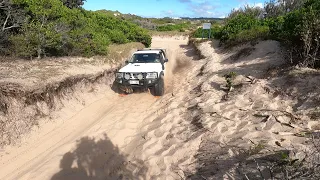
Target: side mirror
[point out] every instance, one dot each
(166, 60)
(127, 62)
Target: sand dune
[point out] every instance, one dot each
(195, 131)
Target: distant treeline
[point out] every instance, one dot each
(163, 24)
(38, 28)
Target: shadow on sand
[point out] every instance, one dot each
(96, 160)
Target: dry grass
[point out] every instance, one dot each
(121, 51)
(36, 74)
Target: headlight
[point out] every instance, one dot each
(140, 76)
(152, 75)
(119, 75)
(127, 76)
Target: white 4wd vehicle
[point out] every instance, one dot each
(145, 69)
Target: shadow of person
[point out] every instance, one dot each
(67, 172)
(97, 160)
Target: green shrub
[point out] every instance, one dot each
(174, 27)
(237, 24)
(301, 33)
(258, 32)
(53, 29)
(275, 26)
(215, 32)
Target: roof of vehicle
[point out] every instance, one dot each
(147, 52)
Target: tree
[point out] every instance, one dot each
(40, 32)
(50, 28)
(12, 17)
(275, 8)
(73, 3)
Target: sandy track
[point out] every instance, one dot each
(113, 137)
(194, 131)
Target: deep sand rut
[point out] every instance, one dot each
(114, 137)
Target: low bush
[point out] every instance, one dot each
(215, 32)
(173, 27)
(237, 24)
(300, 32)
(255, 33)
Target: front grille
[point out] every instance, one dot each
(135, 75)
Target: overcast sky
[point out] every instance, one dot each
(171, 8)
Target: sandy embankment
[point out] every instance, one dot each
(33, 93)
(259, 124)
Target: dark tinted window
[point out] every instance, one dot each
(145, 58)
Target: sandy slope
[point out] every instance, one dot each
(112, 137)
(257, 121)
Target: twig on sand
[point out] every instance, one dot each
(288, 124)
(178, 168)
(292, 116)
(252, 79)
(241, 173)
(259, 169)
(203, 177)
(211, 114)
(284, 112)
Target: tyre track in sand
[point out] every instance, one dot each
(125, 121)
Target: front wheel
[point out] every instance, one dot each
(158, 89)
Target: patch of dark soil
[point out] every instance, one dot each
(3, 108)
(216, 86)
(197, 89)
(193, 108)
(194, 114)
(201, 73)
(277, 71)
(315, 115)
(196, 122)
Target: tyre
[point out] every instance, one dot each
(116, 88)
(158, 89)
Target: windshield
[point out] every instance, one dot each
(145, 58)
